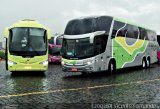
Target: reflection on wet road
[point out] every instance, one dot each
(57, 87)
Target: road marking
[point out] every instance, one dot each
(77, 89)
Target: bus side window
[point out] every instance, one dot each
(136, 32)
(100, 44)
(103, 24)
(118, 29)
(158, 39)
(130, 31)
(151, 35)
(143, 34)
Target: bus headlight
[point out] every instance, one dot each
(11, 62)
(62, 63)
(87, 62)
(44, 62)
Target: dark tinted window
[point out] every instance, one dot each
(136, 32)
(59, 40)
(151, 35)
(130, 31)
(80, 26)
(51, 41)
(143, 33)
(103, 24)
(119, 29)
(88, 25)
(100, 43)
(77, 48)
(27, 41)
(54, 50)
(158, 39)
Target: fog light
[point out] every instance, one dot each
(11, 62)
(89, 63)
(62, 63)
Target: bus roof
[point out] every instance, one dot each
(116, 19)
(129, 22)
(28, 23)
(91, 17)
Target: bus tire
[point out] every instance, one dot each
(6, 57)
(14, 73)
(112, 67)
(148, 62)
(144, 63)
(158, 61)
(6, 64)
(84, 73)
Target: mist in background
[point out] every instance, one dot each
(56, 13)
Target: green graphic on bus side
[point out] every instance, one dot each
(122, 56)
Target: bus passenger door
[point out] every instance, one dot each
(100, 47)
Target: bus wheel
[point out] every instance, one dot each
(14, 73)
(148, 63)
(112, 67)
(6, 62)
(84, 73)
(144, 64)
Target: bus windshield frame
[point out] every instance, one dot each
(77, 48)
(27, 41)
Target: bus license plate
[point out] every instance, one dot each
(27, 67)
(74, 69)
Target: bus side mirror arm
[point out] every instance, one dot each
(49, 33)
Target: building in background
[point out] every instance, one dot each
(1, 44)
(4, 45)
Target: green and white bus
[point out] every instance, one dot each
(27, 46)
(94, 44)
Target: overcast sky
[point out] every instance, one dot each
(56, 13)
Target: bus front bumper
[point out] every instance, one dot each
(87, 68)
(28, 67)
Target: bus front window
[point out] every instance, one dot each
(55, 50)
(77, 49)
(59, 41)
(88, 25)
(77, 27)
(28, 41)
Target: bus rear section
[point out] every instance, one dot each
(158, 52)
(27, 46)
(55, 45)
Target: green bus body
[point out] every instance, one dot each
(124, 44)
(18, 59)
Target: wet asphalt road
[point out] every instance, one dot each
(57, 89)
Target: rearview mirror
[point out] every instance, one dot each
(6, 33)
(48, 33)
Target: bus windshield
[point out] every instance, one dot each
(28, 41)
(55, 50)
(88, 25)
(51, 41)
(77, 48)
(77, 27)
(59, 40)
